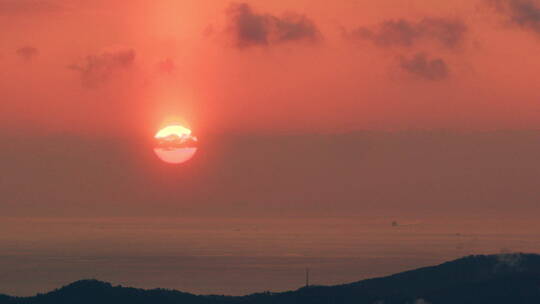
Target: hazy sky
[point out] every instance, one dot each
(290, 99)
(320, 122)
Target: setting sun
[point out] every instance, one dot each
(175, 144)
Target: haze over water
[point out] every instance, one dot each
(239, 256)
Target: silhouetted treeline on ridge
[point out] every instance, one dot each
(493, 279)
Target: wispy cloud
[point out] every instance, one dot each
(11, 7)
(98, 68)
(27, 52)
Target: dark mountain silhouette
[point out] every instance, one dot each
(493, 279)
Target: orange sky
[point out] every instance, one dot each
(188, 65)
(84, 86)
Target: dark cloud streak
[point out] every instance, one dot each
(521, 13)
(447, 32)
(255, 29)
(422, 66)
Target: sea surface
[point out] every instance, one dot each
(239, 256)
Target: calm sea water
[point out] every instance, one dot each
(239, 256)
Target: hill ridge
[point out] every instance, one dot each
(513, 277)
